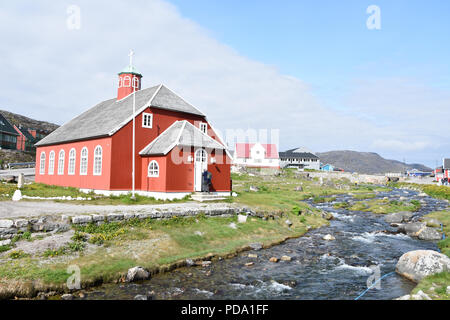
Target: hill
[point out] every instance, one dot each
(17, 119)
(366, 162)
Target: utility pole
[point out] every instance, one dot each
(133, 171)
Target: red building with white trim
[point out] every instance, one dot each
(174, 144)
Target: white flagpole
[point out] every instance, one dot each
(133, 195)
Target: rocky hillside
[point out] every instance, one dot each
(365, 162)
(18, 119)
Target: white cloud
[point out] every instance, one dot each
(53, 73)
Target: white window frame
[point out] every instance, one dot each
(149, 123)
(72, 162)
(126, 81)
(203, 126)
(98, 161)
(153, 172)
(84, 160)
(120, 82)
(42, 163)
(135, 82)
(51, 163)
(61, 162)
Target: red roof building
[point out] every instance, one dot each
(174, 145)
(256, 155)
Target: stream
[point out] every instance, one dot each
(319, 269)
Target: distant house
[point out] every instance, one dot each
(439, 173)
(446, 168)
(8, 135)
(417, 173)
(300, 158)
(25, 139)
(328, 167)
(256, 155)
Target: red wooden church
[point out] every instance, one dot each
(174, 145)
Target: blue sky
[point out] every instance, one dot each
(310, 69)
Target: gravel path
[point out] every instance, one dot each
(10, 209)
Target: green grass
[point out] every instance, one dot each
(439, 192)
(382, 206)
(441, 280)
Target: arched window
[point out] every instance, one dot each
(153, 169)
(120, 82)
(127, 81)
(136, 82)
(98, 161)
(61, 160)
(42, 164)
(84, 161)
(200, 155)
(51, 162)
(72, 159)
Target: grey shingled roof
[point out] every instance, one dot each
(180, 133)
(447, 163)
(6, 127)
(109, 116)
(292, 154)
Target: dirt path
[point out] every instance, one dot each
(10, 209)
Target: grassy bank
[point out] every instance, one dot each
(281, 193)
(438, 281)
(48, 191)
(109, 250)
(439, 192)
(382, 206)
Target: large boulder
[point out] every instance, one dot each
(398, 217)
(137, 273)
(412, 229)
(428, 233)
(415, 265)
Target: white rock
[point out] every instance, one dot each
(81, 219)
(20, 223)
(234, 194)
(423, 295)
(198, 233)
(98, 217)
(233, 225)
(5, 242)
(6, 223)
(242, 218)
(137, 273)
(448, 289)
(329, 237)
(415, 265)
(17, 196)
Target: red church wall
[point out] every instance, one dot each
(89, 181)
(221, 174)
(180, 176)
(156, 184)
(122, 145)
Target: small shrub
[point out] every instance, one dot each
(5, 248)
(50, 253)
(76, 246)
(17, 254)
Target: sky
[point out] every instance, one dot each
(314, 70)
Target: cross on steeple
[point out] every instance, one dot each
(131, 54)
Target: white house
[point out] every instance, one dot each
(301, 158)
(256, 155)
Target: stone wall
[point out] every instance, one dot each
(9, 227)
